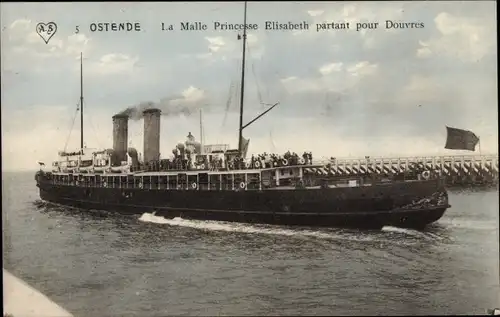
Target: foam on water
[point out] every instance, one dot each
(277, 230)
(405, 231)
(248, 228)
(464, 223)
(412, 233)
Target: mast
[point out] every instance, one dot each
(242, 94)
(81, 102)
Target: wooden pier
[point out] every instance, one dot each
(460, 170)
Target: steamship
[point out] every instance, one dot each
(215, 182)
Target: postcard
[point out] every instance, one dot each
(245, 157)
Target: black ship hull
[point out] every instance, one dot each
(411, 204)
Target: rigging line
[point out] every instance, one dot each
(284, 93)
(93, 129)
(228, 103)
(272, 141)
(232, 95)
(72, 126)
(266, 83)
(259, 95)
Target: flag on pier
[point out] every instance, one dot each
(458, 139)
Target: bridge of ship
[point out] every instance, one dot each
(483, 165)
(256, 179)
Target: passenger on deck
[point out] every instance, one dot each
(241, 162)
(236, 163)
(267, 159)
(213, 164)
(273, 160)
(219, 164)
(305, 156)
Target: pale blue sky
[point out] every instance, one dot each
(341, 93)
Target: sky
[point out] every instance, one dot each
(341, 93)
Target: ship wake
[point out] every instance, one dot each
(410, 232)
(330, 234)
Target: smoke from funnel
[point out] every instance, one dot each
(190, 102)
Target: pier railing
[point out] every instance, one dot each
(456, 169)
(428, 158)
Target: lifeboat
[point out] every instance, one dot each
(101, 165)
(86, 169)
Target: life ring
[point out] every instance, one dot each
(426, 174)
(104, 184)
(275, 163)
(230, 164)
(194, 185)
(257, 164)
(285, 162)
(247, 164)
(140, 185)
(203, 166)
(243, 185)
(302, 161)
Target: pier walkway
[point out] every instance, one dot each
(21, 300)
(458, 169)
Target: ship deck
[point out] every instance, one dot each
(195, 171)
